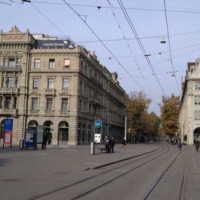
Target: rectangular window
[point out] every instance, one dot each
(64, 104)
(11, 63)
(66, 63)
(80, 105)
(8, 103)
(51, 63)
(36, 64)
(10, 82)
(35, 83)
(1, 102)
(65, 84)
(49, 104)
(197, 100)
(18, 61)
(197, 115)
(197, 85)
(50, 83)
(5, 62)
(34, 104)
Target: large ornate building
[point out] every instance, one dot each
(189, 118)
(52, 83)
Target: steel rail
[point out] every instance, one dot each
(87, 179)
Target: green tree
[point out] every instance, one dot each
(169, 114)
(137, 106)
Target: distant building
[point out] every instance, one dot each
(53, 83)
(189, 118)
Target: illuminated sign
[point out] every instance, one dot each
(98, 123)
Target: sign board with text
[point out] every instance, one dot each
(7, 137)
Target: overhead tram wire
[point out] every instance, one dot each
(170, 50)
(50, 21)
(128, 45)
(140, 44)
(107, 49)
(128, 8)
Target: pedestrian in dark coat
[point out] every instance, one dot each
(107, 144)
(197, 144)
(179, 144)
(44, 142)
(112, 144)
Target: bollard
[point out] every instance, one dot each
(92, 148)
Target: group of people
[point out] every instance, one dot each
(109, 144)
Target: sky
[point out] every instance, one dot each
(126, 36)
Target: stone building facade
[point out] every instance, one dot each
(189, 118)
(52, 83)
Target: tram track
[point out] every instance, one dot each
(110, 180)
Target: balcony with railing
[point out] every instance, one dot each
(16, 68)
(9, 91)
(6, 111)
(50, 92)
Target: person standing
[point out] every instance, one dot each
(112, 144)
(44, 142)
(107, 144)
(179, 144)
(197, 144)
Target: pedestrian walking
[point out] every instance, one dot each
(197, 144)
(124, 143)
(112, 144)
(179, 145)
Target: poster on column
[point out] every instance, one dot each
(7, 137)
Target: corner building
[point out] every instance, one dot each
(189, 117)
(52, 83)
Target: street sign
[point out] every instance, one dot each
(98, 123)
(8, 124)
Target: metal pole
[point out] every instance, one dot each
(125, 126)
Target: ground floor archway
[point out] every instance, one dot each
(196, 133)
(63, 132)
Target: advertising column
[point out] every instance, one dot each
(8, 126)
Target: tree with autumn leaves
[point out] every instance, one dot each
(142, 125)
(170, 114)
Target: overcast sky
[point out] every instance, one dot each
(121, 38)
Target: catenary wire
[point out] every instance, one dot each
(169, 43)
(140, 44)
(107, 48)
(128, 8)
(128, 45)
